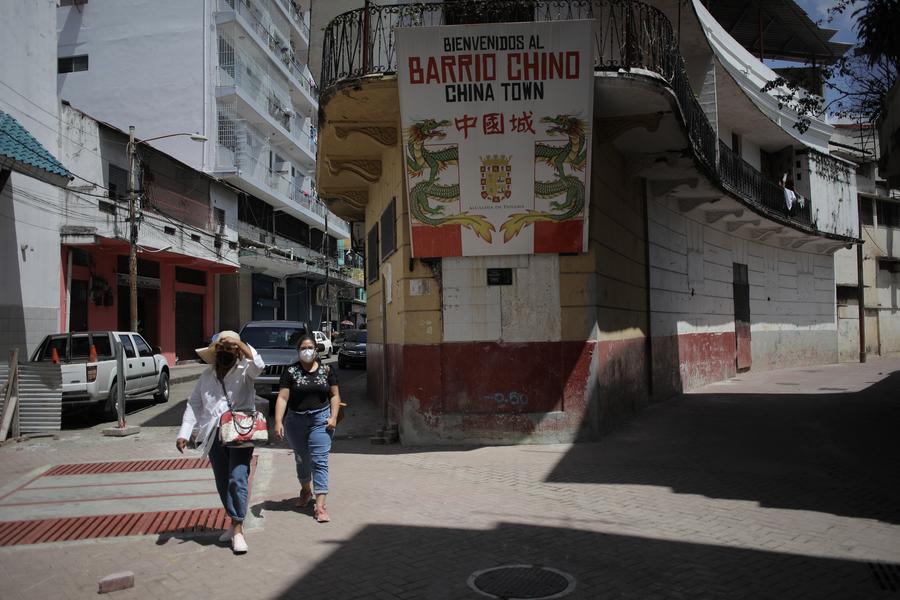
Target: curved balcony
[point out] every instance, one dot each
(629, 36)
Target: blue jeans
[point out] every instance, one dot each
(231, 467)
(311, 441)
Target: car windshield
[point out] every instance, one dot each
(272, 337)
(355, 336)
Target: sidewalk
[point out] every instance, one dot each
(774, 485)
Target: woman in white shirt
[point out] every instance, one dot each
(229, 380)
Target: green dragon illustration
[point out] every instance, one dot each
(573, 153)
(419, 158)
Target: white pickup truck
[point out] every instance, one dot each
(88, 364)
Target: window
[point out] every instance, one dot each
(72, 2)
(60, 344)
(118, 182)
(888, 213)
(736, 143)
(145, 268)
(372, 254)
(867, 211)
(192, 276)
(219, 214)
(270, 338)
(847, 294)
(127, 346)
(889, 265)
(142, 347)
(101, 345)
(81, 346)
(389, 229)
(72, 64)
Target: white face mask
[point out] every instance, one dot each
(307, 355)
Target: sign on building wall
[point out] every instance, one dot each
(497, 136)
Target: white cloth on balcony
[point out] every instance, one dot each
(789, 198)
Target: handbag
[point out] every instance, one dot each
(242, 428)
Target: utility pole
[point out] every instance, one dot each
(132, 233)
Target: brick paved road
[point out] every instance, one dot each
(732, 492)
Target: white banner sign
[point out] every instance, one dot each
(497, 136)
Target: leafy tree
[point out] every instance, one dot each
(858, 81)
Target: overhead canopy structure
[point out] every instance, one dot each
(20, 152)
(777, 29)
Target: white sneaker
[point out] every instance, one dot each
(226, 537)
(239, 544)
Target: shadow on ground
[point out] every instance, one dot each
(435, 564)
(831, 453)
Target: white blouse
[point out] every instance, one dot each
(208, 400)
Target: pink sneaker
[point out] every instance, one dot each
(305, 497)
(322, 515)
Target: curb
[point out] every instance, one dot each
(173, 379)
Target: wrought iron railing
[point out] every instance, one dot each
(628, 35)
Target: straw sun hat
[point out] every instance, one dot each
(208, 354)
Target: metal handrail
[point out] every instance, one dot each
(628, 35)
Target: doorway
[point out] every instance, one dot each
(78, 306)
(743, 350)
(188, 324)
(148, 312)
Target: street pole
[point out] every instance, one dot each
(132, 233)
(861, 289)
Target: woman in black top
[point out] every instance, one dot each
(310, 397)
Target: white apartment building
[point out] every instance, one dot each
(235, 72)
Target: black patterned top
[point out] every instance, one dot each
(310, 390)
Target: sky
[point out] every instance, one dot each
(818, 10)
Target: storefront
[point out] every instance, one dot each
(175, 295)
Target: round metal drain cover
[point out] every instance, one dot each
(522, 582)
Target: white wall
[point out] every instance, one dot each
(526, 311)
(88, 153)
(792, 307)
(830, 183)
(147, 68)
(29, 209)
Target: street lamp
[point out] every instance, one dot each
(132, 237)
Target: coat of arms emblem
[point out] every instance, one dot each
(496, 181)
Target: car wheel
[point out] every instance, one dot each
(162, 391)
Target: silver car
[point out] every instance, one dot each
(276, 342)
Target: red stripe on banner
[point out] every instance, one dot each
(437, 241)
(566, 236)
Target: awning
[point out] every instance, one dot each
(20, 152)
(787, 31)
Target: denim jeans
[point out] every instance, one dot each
(231, 467)
(311, 441)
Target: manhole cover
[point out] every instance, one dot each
(522, 582)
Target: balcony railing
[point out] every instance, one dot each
(275, 41)
(628, 35)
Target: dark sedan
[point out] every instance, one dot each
(353, 349)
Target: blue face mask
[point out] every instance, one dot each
(307, 355)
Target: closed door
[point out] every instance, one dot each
(188, 324)
(78, 306)
(145, 359)
(133, 376)
(743, 351)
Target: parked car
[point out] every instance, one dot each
(322, 339)
(276, 342)
(353, 350)
(88, 364)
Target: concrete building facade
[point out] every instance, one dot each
(29, 228)
(234, 71)
(879, 209)
(699, 263)
(187, 238)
